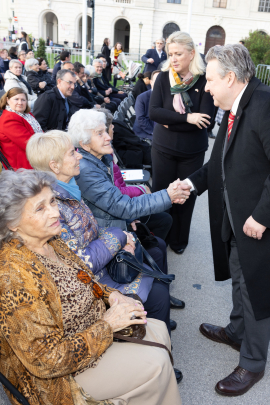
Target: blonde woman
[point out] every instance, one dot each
(182, 110)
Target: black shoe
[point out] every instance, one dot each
(178, 375)
(211, 135)
(179, 251)
(173, 324)
(176, 303)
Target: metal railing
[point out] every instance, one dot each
(263, 73)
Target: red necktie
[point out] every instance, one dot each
(230, 124)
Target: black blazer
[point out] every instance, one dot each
(181, 138)
(152, 53)
(139, 88)
(56, 68)
(247, 173)
(50, 110)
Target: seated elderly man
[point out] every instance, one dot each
(81, 97)
(53, 108)
(15, 78)
(35, 80)
(104, 86)
(56, 336)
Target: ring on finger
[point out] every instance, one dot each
(254, 234)
(133, 316)
(133, 239)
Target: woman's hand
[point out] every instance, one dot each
(133, 224)
(198, 119)
(42, 85)
(122, 315)
(130, 239)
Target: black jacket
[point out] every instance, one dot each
(152, 53)
(102, 87)
(105, 50)
(181, 138)
(247, 174)
(56, 68)
(34, 78)
(139, 88)
(50, 110)
(81, 98)
(47, 77)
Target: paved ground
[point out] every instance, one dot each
(202, 361)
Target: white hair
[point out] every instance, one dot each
(13, 61)
(29, 63)
(160, 39)
(95, 61)
(197, 66)
(81, 125)
(91, 70)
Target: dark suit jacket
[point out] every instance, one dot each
(102, 87)
(143, 126)
(152, 53)
(56, 68)
(50, 110)
(247, 174)
(81, 97)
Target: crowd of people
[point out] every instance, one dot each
(66, 212)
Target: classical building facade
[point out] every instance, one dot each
(213, 21)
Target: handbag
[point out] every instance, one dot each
(125, 267)
(136, 333)
(147, 239)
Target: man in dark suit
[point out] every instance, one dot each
(154, 57)
(53, 109)
(237, 177)
(64, 57)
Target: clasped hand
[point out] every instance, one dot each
(179, 191)
(253, 229)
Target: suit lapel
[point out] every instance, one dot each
(253, 84)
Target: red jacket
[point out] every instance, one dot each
(14, 134)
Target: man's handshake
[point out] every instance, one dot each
(179, 191)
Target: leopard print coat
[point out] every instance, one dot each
(35, 354)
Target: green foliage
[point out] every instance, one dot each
(258, 45)
(41, 51)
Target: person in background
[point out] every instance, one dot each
(154, 57)
(143, 126)
(48, 41)
(45, 74)
(142, 84)
(15, 78)
(17, 125)
(107, 85)
(51, 42)
(33, 77)
(4, 60)
(101, 85)
(22, 56)
(12, 53)
(84, 99)
(64, 57)
(89, 45)
(24, 42)
(180, 135)
(105, 50)
(118, 57)
(53, 108)
(30, 54)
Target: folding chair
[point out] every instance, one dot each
(19, 397)
(131, 97)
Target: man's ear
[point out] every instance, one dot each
(231, 78)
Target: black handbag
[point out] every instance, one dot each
(125, 267)
(144, 235)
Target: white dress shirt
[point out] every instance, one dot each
(159, 53)
(234, 111)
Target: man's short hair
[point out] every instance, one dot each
(29, 50)
(100, 55)
(78, 66)
(154, 73)
(66, 63)
(61, 73)
(233, 58)
(95, 61)
(64, 55)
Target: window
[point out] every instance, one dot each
(169, 29)
(13, 13)
(264, 5)
(220, 3)
(174, 1)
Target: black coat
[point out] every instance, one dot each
(47, 77)
(247, 173)
(34, 78)
(139, 88)
(102, 87)
(56, 68)
(181, 138)
(50, 110)
(81, 97)
(152, 53)
(105, 50)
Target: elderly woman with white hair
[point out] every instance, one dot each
(56, 335)
(14, 78)
(35, 80)
(182, 110)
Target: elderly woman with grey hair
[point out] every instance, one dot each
(56, 340)
(35, 80)
(14, 78)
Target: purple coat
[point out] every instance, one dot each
(96, 246)
(131, 191)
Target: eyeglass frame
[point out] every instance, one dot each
(70, 83)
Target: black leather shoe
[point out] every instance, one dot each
(176, 303)
(178, 375)
(173, 324)
(238, 382)
(178, 251)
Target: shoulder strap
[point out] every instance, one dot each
(19, 397)
(143, 342)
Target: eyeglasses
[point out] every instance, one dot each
(72, 84)
(159, 43)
